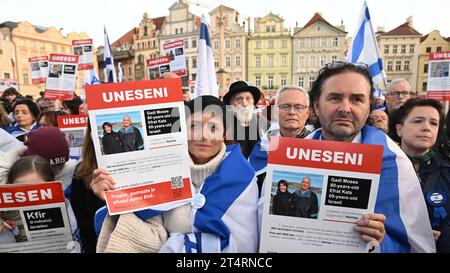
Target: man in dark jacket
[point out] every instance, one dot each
(131, 137)
(305, 202)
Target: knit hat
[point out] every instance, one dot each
(50, 143)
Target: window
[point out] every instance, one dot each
(301, 81)
(129, 71)
(186, 43)
(227, 43)
(228, 61)
(311, 81)
(181, 30)
(149, 44)
(43, 46)
(428, 49)
(270, 44)
(194, 77)
(389, 66)
(145, 31)
(238, 43)
(25, 78)
(425, 68)
(323, 42)
(403, 50)
(1, 51)
(438, 49)
(270, 59)
(194, 43)
(284, 60)
(216, 44)
(7, 75)
(258, 80)
(322, 60)
(267, 28)
(270, 81)
(301, 61)
(312, 60)
(54, 48)
(306, 42)
(424, 86)
(411, 48)
(386, 49)
(284, 44)
(394, 49)
(273, 28)
(313, 42)
(194, 62)
(238, 61)
(258, 44)
(398, 65)
(283, 79)
(258, 61)
(187, 62)
(216, 62)
(333, 58)
(335, 41)
(176, 31)
(406, 66)
(301, 42)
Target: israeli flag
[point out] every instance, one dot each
(206, 82)
(119, 67)
(364, 48)
(90, 77)
(109, 70)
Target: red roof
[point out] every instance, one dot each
(448, 39)
(127, 38)
(423, 38)
(316, 18)
(158, 21)
(403, 29)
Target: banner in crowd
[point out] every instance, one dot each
(74, 128)
(61, 77)
(175, 51)
(438, 85)
(39, 69)
(33, 218)
(157, 66)
(331, 186)
(7, 83)
(139, 134)
(84, 50)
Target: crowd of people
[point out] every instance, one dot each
(228, 150)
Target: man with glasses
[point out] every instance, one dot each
(341, 98)
(291, 112)
(398, 92)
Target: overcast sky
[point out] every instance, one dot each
(120, 16)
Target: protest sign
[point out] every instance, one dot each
(39, 69)
(84, 50)
(139, 134)
(33, 218)
(7, 83)
(61, 77)
(157, 66)
(438, 85)
(175, 52)
(74, 128)
(330, 186)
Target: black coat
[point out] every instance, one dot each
(306, 207)
(111, 143)
(283, 204)
(84, 204)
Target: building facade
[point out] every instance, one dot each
(432, 42)
(400, 52)
(31, 41)
(229, 44)
(7, 55)
(269, 54)
(314, 45)
(181, 24)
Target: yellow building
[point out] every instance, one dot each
(270, 54)
(7, 55)
(432, 42)
(31, 41)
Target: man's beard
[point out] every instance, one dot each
(243, 114)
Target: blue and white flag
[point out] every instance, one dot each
(364, 48)
(108, 60)
(90, 77)
(399, 197)
(119, 68)
(206, 81)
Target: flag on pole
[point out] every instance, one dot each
(364, 48)
(206, 82)
(109, 70)
(90, 77)
(120, 74)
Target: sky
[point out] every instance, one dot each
(121, 16)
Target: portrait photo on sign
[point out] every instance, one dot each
(43, 64)
(35, 66)
(87, 48)
(178, 51)
(296, 194)
(11, 227)
(74, 138)
(78, 50)
(153, 73)
(440, 69)
(120, 132)
(55, 70)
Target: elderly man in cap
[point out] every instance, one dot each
(246, 128)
